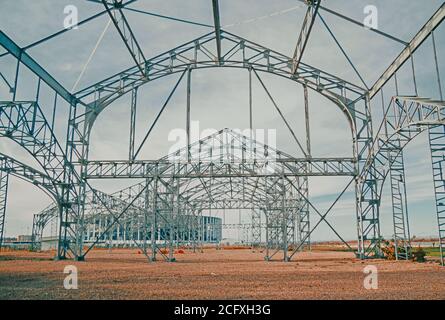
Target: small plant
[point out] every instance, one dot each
(419, 255)
(389, 249)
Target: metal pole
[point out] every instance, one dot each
(189, 81)
(154, 223)
(133, 108)
(436, 60)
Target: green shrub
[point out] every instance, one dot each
(419, 255)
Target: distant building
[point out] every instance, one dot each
(49, 243)
(24, 238)
(9, 240)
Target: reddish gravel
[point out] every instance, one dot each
(216, 274)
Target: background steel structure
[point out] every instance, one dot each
(226, 170)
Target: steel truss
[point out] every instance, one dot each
(226, 169)
(405, 118)
(238, 53)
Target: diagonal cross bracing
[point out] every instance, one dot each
(127, 35)
(303, 38)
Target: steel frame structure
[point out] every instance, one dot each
(226, 169)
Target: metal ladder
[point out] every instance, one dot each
(402, 241)
(437, 145)
(4, 177)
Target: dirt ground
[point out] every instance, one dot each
(216, 274)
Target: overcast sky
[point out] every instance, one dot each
(220, 96)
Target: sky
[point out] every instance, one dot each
(220, 95)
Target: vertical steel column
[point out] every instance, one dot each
(267, 235)
(307, 121)
(304, 210)
(33, 234)
(174, 215)
(195, 229)
(4, 179)
(285, 221)
(146, 220)
(133, 107)
(367, 189)
(256, 228)
(189, 90)
(154, 220)
(437, 146)
(402, 243)
(303, 213)
(201, 232)
(71, 227)
(250, 104)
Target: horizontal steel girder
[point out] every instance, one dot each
(165, 169)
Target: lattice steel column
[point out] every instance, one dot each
(273, 233)
(303, 213)
(402, 241)
(303, 182)
(154, 220)
(256, 228)
(174, 215)
(284, 221)
(288, 232)
(146, 220)
(367, 189)
(71, 232)
(437, 145)
(4, 179)
(399, 201)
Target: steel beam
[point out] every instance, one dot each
(133, 110)
(303, 38)
(413, 45)
(98, 169)
(360, 24)
(38, 70)
(217, 23)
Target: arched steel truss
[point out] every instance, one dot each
(175, 189)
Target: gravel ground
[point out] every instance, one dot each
(216, 274)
